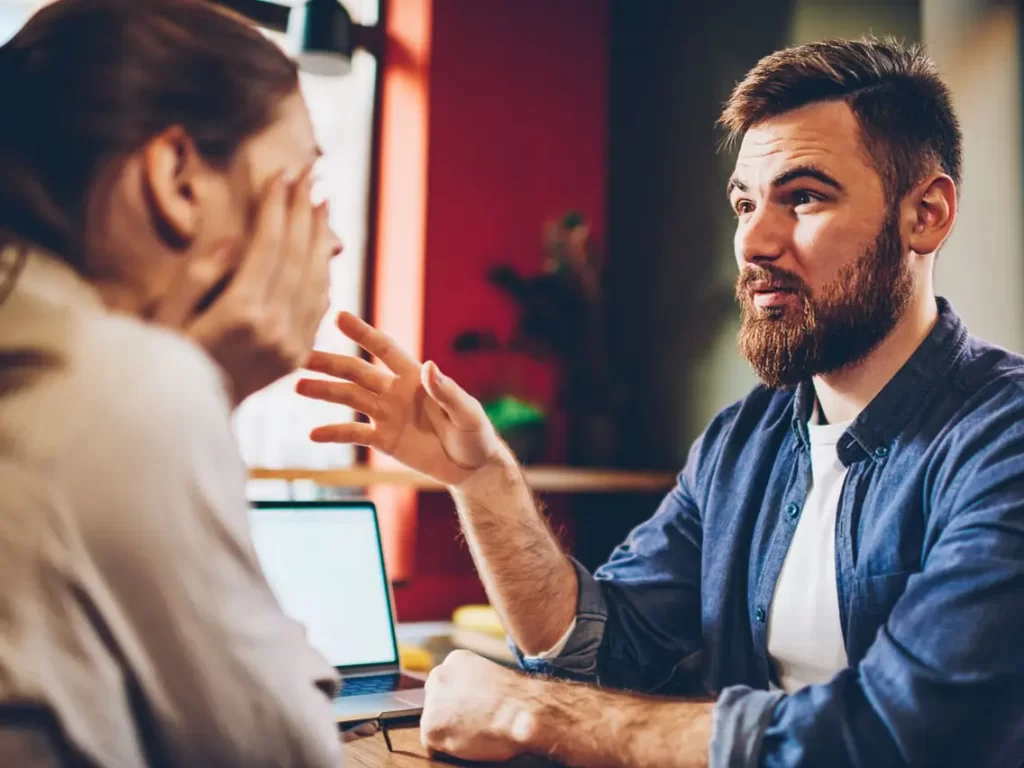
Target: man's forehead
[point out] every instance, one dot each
(825, 134)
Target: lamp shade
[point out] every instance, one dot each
(320, 36)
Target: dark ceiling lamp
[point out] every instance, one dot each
(321, 34)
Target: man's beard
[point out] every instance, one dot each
(852, 315)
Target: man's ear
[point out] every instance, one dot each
(930, 210)
(170, 169)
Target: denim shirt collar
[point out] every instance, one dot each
(872, 433)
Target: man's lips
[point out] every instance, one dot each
(765, 295)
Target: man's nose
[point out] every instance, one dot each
(761, 237)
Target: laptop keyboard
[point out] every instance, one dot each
(360, 686)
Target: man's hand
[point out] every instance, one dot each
(426, 421)
(476, 710)
(417, 415)
(262, 326)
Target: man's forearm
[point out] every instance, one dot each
(528, 577)
(582, 725)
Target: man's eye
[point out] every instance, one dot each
(804, 197)
(743, 207)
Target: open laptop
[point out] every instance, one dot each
(325, 564)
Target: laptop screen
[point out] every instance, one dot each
(324, 564)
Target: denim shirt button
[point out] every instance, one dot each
(792, 510)
(881, 452)
(759, 614)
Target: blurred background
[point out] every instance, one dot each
(531, 195)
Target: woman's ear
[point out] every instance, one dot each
(170, 169)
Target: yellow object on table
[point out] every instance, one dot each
(477, 628)
(479, 618)
(414, 658)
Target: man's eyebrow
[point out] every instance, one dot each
(806, 172)
(784, 178)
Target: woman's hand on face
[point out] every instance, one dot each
(262, 325)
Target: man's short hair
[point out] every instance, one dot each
(904, 109)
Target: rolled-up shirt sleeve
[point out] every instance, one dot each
(577, 658)
(638, 616)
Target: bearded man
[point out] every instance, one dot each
(841, 563)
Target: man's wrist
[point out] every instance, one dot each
(499, 474)
(523, 715)
(549, 718)
(583, 725)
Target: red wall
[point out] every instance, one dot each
(517, 136)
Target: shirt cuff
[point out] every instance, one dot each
(577, 658)
(738, 723)
(556, 650)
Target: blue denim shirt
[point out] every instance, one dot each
(929, 571)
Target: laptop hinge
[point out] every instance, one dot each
(369, 669)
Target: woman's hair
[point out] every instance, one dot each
(87, 82)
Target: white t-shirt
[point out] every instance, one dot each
(805, 637)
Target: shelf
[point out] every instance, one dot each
(541, 479)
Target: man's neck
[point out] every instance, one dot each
(843, 395)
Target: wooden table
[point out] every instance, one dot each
(372, 752)
(541, 479)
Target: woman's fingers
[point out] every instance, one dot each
(196, 280)
(295, 259)
(314, 296)
(260, 264)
